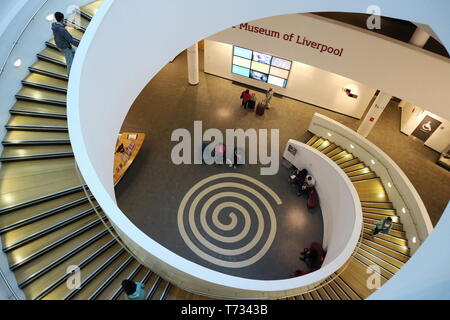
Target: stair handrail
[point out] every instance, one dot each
(20, 36)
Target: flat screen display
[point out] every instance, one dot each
(279, 72)
(280, 82)
(241, 71)
(241, 62)
(258, 76)
(261, 67)
(281, 63)
(242, 52)
(261, 57)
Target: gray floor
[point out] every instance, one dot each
(151, 191)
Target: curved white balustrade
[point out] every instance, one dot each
(124, 47)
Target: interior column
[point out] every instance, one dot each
(375, 111)
(193, 65)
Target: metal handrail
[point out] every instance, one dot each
(20, 36)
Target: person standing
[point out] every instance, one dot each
(268, 98)
(383, 226)
(245, 96)
(133, 290)
(64, 40)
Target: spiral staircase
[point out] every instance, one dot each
(48, 223)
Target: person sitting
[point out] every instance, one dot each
(309, 256)
(383, 226)
(133, 290)
(308, 184)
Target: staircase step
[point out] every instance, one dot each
(25, 137)
(387, 212)
(41, 95)
(24, 216)
(377, 217)
(344, 159)
(50, 69)
(19, 122)
(90, 10)
(339, 155)
(330, 148)
(371, 266)
(334, 152)
(318, 142)
(312, 140)
(388, 244)
(22, 153)
(355, 167)
(37, 80)
(53, 55)
(349, 163)
(29, 182)
(371, 190)
(359, 172)
(385, 205)
(366, 176)
(39, 109)
(324, 145)
(79, 21)
(388, 237)
(394, 230)
(370, 259)
(381, 255)
(136, 275)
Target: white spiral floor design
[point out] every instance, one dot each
(244, 203)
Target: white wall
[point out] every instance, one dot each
(413, 115)
(305, 83)
(377, 61)
(339, 202)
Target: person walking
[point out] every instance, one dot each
(268, 98)
(383, 226)
(245, 96)
(133, 290)
(64, 40)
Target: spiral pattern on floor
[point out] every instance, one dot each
(228, 219)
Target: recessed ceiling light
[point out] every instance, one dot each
(17, 63)
(404, 210)
(50, 17)
(414, 239)
(352, 146)
(373, 161)
(329, 134)
(389, 185)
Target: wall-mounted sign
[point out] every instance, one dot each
(292, 150)
(426, 128)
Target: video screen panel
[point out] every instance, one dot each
(281, 63)
(281, 73)
(280, 82)
(261, 67)
(258, 76)
(241, 71)
(242, 62)
(261, 57)
(244, 53)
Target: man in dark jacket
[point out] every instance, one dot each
(64, 40)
